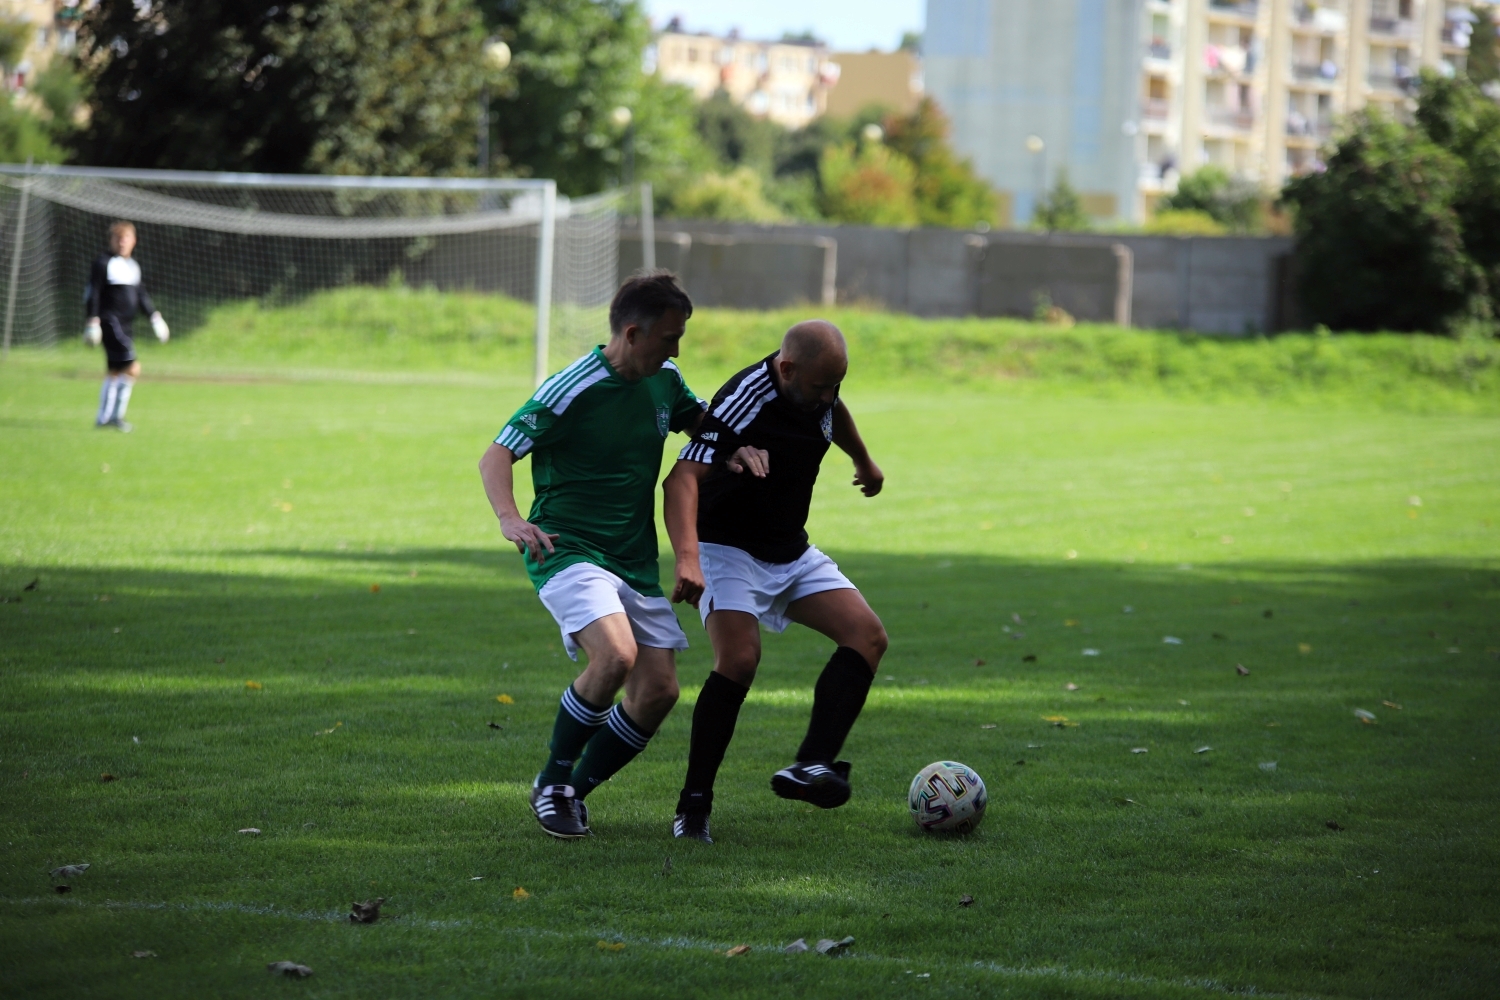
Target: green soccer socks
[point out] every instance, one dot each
(616, 744)
(577, 722)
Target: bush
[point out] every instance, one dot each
(1233, 202)
(735, 196)
(1379, 243)
(868, 183)
(1184, 222)
(1062, 209)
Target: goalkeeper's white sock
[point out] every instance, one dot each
(122, 398)
(107, 398)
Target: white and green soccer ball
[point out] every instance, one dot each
(947, 797)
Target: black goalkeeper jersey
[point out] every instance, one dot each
(115, 288)
(765, 517)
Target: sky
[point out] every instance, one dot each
(848, 25)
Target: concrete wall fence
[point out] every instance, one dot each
(1219, 285)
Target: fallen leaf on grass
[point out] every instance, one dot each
(1029, 658)
(988, 725)
(1120, 800)
(737, 950)
(1033, 746)
(1140, 750)
(1269, 765)
(505, 699)
(1368, 718)
(520, 894)
(1203, 749)
(325, 732)
(252, 831)
(69, 871)
(496, 725)
(143, 954)
(1333, 825)
(1303, 648)
(367, 912)
(106, 776)
(1242, 670)
(288, 969)
(374, 588)
(603, 945)
(477, 878)
(1070, 622)
(828, 946)
(1016, 618)
(1090, 652)
(1070, 686)
(1171, 640)
(251, 685)
(796, 947)
(1391, 704)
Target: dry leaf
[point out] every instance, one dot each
(1203, 749)
(505, 699)
(325, 732)
(796, 947)
(1070, 622)
(218, 659)
(1070, 686)
(603, 945)
(988, 725)
(1120, 800)
(1333, 825)
(1391, 704)
(106, 776)
(1139, 750)
(1016, 618)
(1269, 765)
(367, 912)
(1303, 648)
(1368, 718)
(143, 954)
(966, 900)
(1090, 652)
(252, 831)
(374, 588)
(828, 946)
(288, 969)
(1242, 670)
(520, 893)
(737, 950)
(1171, 640)
(251, 685)
(69, 871)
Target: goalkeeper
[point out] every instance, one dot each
(115, 294)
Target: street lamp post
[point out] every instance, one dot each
(496, 59)
(1038, 150)
(622, 119)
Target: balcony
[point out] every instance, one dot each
(1238, 119)
(1159, 49)
(1392, 27)
(1324, 72)
(1302, 127)
(1455, 36)
(1238, 8)
(1317, 18)
(1399, 78)
(1155, 109)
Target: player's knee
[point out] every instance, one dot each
(660, 695)
(615, 663)
(739, 667)
(875, 642)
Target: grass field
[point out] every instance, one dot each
(1343, 546)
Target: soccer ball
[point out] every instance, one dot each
(947, 797)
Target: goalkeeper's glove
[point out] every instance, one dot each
(93, 334)
(160, 326)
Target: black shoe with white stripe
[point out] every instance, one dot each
(559, 811)
(693, 826)
(824, 785)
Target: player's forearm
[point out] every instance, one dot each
(498, 476)
(680, 510)
(846, 435)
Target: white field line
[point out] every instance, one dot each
(694, 944)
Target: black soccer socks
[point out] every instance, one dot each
(616, 744)
(577, 721)
(713, 727)
(837, 701)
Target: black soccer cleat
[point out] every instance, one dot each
(824, 785)
(693, 826)
(559, 811)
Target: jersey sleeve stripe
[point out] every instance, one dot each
(518, 443)
(549, 393)
(744, 396)
(697, 452)
(747, 413)
(551, 384)
(566, 400)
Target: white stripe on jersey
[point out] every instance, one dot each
(559, 383)
(518, 443)
(748, 413)
(697, 452)
(592, 378)
(751, 394)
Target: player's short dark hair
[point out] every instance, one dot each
(644, 297)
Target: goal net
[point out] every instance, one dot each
(210, 240)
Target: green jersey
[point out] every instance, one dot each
(595, 442)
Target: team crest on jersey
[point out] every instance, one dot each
(663, 420)
(827, 425)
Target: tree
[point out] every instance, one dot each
(574, 62)
(1233, 202)
(948, 191)
(737, 137)
(868, 183)
(1483, 65)
(330, 86)
(1379, 245)
(1062, 210)
(736, 196)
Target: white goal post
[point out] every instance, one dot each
(211, 238)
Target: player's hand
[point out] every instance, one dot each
(756, 460)
(689, 586)
(159, 325)
(93, 333)
(528, 538)
(868, 477)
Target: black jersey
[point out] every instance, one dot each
(115, 288)
(765, 517)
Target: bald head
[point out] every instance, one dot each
(809, 340)
(812, 363)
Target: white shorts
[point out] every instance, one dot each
(583, 593)
(737, 581)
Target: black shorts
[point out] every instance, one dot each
(119, 345)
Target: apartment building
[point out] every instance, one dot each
(54, 25)
(1131, 94)
(787, 82)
